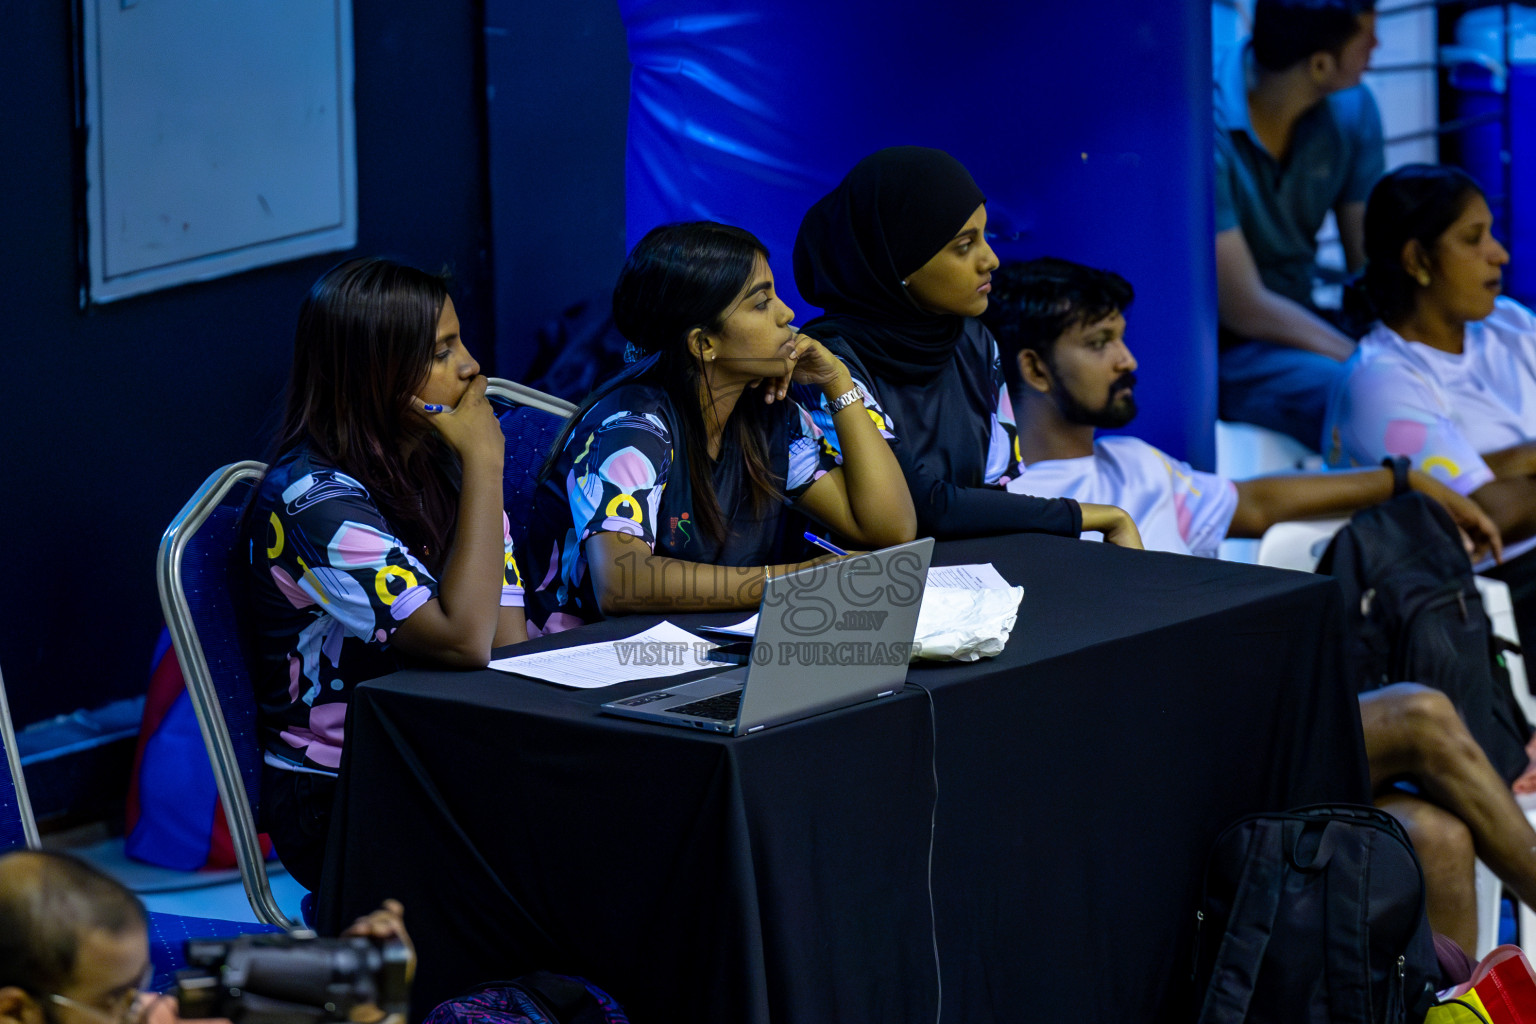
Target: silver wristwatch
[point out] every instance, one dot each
(844, 400)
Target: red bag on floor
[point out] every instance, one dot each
(1502, 990)
(174, 816)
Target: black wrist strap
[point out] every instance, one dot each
(1399, 465)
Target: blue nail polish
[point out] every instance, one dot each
(432, 408)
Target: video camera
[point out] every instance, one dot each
(291, 978)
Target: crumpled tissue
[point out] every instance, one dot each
(956, 624)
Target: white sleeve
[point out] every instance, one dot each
(1387, 408)
(1204, 504)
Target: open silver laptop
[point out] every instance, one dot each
(827, 636)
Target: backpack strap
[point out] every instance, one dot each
(1255, 904)
(1345, 935)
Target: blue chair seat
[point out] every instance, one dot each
(168, 934)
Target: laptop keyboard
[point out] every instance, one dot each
(722, 707)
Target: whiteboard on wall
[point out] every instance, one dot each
(219, 137)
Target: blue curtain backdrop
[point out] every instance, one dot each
(1088, 125)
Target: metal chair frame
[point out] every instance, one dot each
(167, 932)
(13, 758)
(520, 394)
(204, 694)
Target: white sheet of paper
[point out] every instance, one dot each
(967, 577)
(959, 577)
(663, 650)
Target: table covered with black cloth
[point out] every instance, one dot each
(1143, 702)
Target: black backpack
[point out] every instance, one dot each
(1314, 917)
(1414, 615)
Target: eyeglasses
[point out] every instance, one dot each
(125, 1009)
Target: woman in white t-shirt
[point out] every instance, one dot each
(1448, 377)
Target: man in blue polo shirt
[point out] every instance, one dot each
(1297, 135)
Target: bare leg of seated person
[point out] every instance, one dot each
(1444, 847)
(1414, 731)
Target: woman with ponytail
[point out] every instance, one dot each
(666, 492)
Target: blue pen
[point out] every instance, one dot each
(828, 545)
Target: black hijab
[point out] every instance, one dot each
(893, 212)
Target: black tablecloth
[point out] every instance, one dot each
(1144, 702)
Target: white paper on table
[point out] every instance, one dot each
(663, 650)
(954, 577)
(965, 624)
(967, 577)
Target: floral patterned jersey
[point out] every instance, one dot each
(330, 583)
(621, 472)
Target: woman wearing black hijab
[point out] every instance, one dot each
(896, 256)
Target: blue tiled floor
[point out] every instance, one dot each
(216, 894)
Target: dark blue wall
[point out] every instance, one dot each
(113, 416)
(1087, 124)
(557, 79)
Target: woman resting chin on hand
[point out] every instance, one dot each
(377, 531)
(667, 491)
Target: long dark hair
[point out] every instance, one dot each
(364, 344)
(677, 278)
(1416, 202)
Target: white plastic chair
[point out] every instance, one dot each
(1297, 544)
(1244, 451)
(1501, 611)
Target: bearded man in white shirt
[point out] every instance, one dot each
(1061, 327)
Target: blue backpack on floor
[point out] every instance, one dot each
(537, 998)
